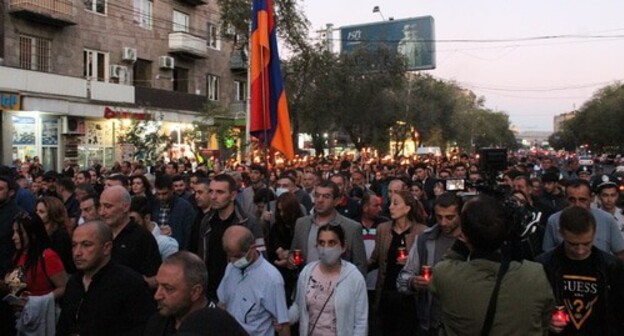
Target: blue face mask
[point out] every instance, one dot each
(280, 191)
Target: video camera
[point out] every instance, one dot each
(523, 220)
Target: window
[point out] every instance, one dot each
(97, 6)
(96, 65)
(180, 22)
(143, 13)
(240, 90)
(214, 41)
(34, 53)
(212, 89)
(142, 73)
(180, 80)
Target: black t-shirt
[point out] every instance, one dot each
(117, 302)
(392, 268)
(217, 260)
(136, 248)
(582, 295)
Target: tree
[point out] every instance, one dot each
(598, 122)
(146, 137)
(292, 24)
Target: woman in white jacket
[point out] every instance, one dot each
(331, 294)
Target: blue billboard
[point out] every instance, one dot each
(413, 38)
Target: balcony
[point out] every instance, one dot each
(194, 2)
(238, 60)
(185, 44)
(58, 13)
(165, 99)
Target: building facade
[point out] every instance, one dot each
(74, 73)
(560, 118)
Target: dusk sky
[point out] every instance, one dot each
(528, 77)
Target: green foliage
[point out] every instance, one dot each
(147, 139)
(292, 25)
(599, 121)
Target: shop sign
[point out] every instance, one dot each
(9, 101)
(109, 113)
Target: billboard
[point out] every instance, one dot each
(414, 38)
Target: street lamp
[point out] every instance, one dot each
(376, 9)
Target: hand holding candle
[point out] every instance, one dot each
(297, 258)
(425, 272)
(401, 255)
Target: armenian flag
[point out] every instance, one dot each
(269, 119)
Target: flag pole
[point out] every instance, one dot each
(248, 100)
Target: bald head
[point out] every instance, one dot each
(115, 206)
(237, 238)
(101, 230)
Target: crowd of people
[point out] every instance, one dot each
(334, 246)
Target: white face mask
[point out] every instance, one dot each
(280, 191)
(329, 256)
(241, 263)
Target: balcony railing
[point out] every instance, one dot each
(194, 2)
(58, 13)
(188, 45)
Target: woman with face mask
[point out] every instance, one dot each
(331, 296)
(394, 240)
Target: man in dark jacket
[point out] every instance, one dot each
(182, 280)
(173, 213)
(588, 282)
(104, 297)
(225, 213)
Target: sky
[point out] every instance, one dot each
(531, 80)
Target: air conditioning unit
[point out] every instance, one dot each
(166, 62)
(119, 72)
(72, 126)
(129, 54)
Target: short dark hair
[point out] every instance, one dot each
(329, 184)
(484, 223)
(265, 195)
(86, 174)
(121, 178)
(174, 164)
(177, 178)
(140, 205)
(258, 168)
(193, 268)
(577, 183)
(447, 200)
(199, 174)
(164, 182)
(93, 196)
(67, 183)
(337, 229)
(287, 176)
(226, 178)
(576, 220)
(366, 199)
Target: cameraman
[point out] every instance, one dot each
(465, 283)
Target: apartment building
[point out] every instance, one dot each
(74, 73)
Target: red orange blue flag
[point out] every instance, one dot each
(269, 119)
